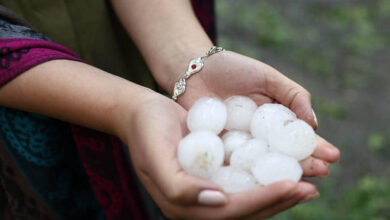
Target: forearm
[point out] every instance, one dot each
(167, 34)
(74, 92)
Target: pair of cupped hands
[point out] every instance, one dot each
(159, 123)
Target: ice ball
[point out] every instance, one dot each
(245, 156)
(233, 180)
(200, 153)
(268, 118)
(232, 140)
(273, 167)
(296, 139)
(240, 110)
(207, 114)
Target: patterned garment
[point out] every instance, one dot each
(42, 174)
(44, 153)
(50, 169)
(45, 150)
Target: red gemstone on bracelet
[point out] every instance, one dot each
(193, 66)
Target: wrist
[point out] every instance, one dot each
(174, 64)
(129, 100)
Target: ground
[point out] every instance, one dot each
(340, 52)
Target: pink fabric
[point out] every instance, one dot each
(205, 12)
(102, 155)
(110, 176)
(19, 54)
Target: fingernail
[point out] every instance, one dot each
(333, 150)
(326, 165)
(211, 197)
(310, 197)
(315, 117)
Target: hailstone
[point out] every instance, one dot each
(240, 110)
(232, 140)
(207, 114)
(201, 153)
(296, 139)
(233, 180)
(244, 156)
(269, 118)
(269, 153)
(273, 167)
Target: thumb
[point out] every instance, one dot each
(177, 186)
(181, 188)
(290, 94)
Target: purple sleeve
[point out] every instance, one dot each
(104, 159)
(19, 54)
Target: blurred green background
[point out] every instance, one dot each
(340, 52)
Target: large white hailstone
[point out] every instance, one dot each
(273, 167)
(233, 180)
(240, 110)
(232, 140)
(201, 153)
(244, 156)
(207, 114)
(296, 139)
(269, 118)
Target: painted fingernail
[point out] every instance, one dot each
(315, 117)
(211, 197)
(311, 197)
(326, 170)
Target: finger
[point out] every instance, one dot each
(239, 204)
(290, 94)
(179, 187)
(251, 201)
(158, 144)
(169, 206)
(274, 210)
(326, 151)
(309, 194)
(313, 167)
(260, 99)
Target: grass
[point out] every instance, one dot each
(329, 108)
(333, 39)
(336, 43)
(368, 199)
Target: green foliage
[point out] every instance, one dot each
(329, 108)
(312, 60)
(340, 43)
(272, 29)
(376, 141)
(369, 198)
(345, 35)
(384, 9)
(365, 36)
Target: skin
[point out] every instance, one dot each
(151, 125)
(162, 174)
(169, 36)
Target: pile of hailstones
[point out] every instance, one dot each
(259, 145)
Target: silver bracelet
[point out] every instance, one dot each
(195, 66)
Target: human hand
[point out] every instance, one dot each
(227, 73)
(157, 126)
